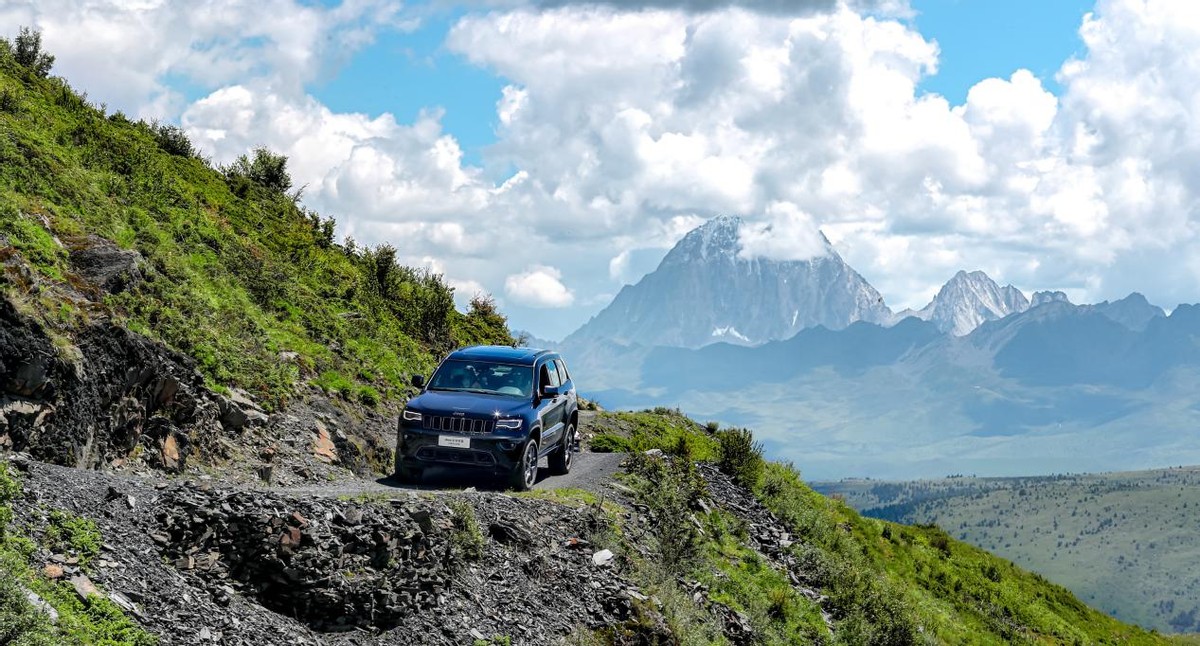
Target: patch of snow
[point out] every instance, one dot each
(729, 330)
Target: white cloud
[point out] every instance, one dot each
(620, 130)
(128, 54)
(789, 234)
(539, 286)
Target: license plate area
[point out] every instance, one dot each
(454, 441)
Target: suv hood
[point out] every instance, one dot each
(438, 402)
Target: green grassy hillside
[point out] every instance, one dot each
(237, 273)
(1124, 542)
(887, 582)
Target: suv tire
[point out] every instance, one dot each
(562, 459)
(524, 474)
(409, 475)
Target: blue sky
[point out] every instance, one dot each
(404, 73)
(984, 38)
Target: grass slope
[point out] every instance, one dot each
(1124, 542)
(888, 583)
(237, 273)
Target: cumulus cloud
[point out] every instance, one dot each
(539, 286)
(788, 234)
(130, 54)
(621, 129)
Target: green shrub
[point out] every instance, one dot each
(609, 443)
(335, 383)
(369, 396)
(467, 540)
(265, 168)
(670, 488)
(173, 140)
(21, 624)
(740, 456)
(10, 488)
(75, 534)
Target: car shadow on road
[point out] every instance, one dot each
(446, 479)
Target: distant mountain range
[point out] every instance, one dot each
(706, 290)
(983, 379)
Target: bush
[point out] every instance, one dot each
(740, 456)
(266, 169)
(173, 140)
(369, 396)
(609, 443)
(21, 624)
(71, 533)
(10, 488)
(468, 540)
(670, 488)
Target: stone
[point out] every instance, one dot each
(122, 602)
(323, 447)
(40, 604)
(106, 266)
(170, 453)
(575, 543)
(290, 538)
(603, 557)
(84, 587)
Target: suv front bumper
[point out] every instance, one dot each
(418, 448)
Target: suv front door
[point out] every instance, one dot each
(550, 409)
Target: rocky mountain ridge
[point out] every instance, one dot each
(969, 299)
(706, 291)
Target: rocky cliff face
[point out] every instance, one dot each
(104, 397)
(705, 291)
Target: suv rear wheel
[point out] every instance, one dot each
(562, 457)
(524, 474)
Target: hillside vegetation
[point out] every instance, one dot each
(232, 270)
(886, 583)
(1125, 542)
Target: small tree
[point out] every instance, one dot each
(28, 52)
(173, 140)
(740, 456)
(267, 169)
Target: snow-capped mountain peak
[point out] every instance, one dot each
(969, 299)
(705, 290)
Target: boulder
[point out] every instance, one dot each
(106, 266)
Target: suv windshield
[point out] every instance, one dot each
(483, 377)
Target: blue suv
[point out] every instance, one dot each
(495, 409)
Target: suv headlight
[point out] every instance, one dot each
(511, 424)
(411, 415)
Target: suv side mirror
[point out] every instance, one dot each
(418, 381)
(551, 391)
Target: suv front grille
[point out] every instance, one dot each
(459, 425)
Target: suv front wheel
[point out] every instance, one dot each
(524, 474)
(562, 457)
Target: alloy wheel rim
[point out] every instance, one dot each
(530, 463)
(569, 444)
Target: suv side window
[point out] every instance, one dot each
(549, 375)
(562, 371)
